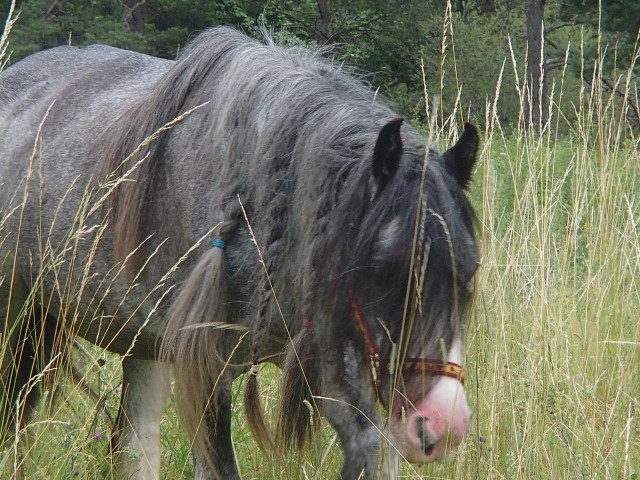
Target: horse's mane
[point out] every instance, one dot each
(238, 79)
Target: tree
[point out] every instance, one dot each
(137, 14)
(389, 43)
(615, 51)
(536, 70)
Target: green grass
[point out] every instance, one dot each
(553, 341)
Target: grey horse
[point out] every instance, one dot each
(246, 203)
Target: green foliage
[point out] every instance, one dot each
(617, 16)
(74, 22)
(388, 43)
(615, 28)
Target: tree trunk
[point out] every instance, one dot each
(534, 108)
(323, 23)
(138, 13)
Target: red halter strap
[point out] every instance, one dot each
(433, 367)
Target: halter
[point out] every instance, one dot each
(448, 369)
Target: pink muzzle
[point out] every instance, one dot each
(432, 427)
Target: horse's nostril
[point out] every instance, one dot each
(423, 435)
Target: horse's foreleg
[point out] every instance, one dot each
(27, 337)
(348, 406)
(219, 464)
(358, 433)
(145, 387)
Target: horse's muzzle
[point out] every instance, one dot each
(434, 426)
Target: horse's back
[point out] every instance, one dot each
(68, 96)
(95, 68)
(39, 75)
(86, 86)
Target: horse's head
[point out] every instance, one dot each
(409, 282)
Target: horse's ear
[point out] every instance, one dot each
(460, 159)
(387, 153)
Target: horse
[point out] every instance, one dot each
(246, 203)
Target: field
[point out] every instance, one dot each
(553, 340)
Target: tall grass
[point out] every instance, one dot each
(556, 341)
(553, 342)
